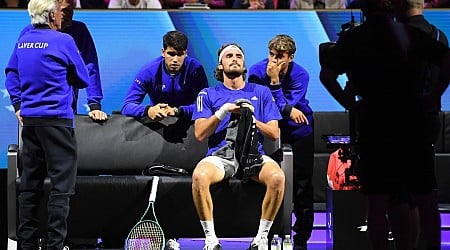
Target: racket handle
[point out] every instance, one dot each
(154, 188)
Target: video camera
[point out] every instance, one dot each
(326, 53)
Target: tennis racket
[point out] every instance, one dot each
(147, 234)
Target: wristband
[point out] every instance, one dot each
(222, 112)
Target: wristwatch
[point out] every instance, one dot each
(176, 112)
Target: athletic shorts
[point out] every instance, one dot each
(229, 167)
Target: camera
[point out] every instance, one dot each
(347, 145)
(326, 52)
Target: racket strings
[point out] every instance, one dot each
(146, 235)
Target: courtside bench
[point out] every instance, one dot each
(112, 194)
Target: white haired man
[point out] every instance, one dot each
(45, 109)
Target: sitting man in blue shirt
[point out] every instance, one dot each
(215, 108)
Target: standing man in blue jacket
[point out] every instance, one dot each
(85, 44)
(44, 106)
(172, 82)
(288, 82)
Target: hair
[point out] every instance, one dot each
(39, 10)
(175, 39)
(72, 3)
(282, 43)
(218, 72)
(413, 4)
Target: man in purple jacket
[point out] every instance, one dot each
(83, 39)
(43, 99)
(171, 81)
(288, 82)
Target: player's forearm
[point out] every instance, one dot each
(269, 130)
(205, 127)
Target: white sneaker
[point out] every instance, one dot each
(212, 246)
(65, 248)
(172, 244)
(260, 243)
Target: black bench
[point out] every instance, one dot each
(111, 194)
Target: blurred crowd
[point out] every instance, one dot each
(219, 4)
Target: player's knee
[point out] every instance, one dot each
(201, 175)
(277, 180)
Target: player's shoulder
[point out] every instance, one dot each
(192, 60)
(258, 88)
(298, 70)
(154, 64)
(212, 90)
(192, 64)
(260, 65)
(208, 93)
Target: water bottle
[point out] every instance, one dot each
(287, 242)
(275, 244)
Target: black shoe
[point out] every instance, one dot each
(300, 246)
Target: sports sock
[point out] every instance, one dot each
(208, 229)
(264, 228)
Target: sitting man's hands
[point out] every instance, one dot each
(224, 110)
(159, 112)
(97, 115)
(249, 106)
(234, 108)
(244, 103)
(298, 117)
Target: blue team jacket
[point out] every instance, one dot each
(290, 93)
(85, 44)
(178, 90)
(43, 88)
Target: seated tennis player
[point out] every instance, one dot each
(212, 115)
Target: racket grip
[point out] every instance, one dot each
(154, 188)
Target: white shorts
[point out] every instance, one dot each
(229, 167)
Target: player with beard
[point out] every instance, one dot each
(212, 115)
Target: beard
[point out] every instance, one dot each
(232, 74)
